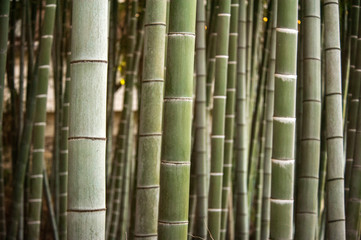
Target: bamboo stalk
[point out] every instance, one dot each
(284, 121)
(4, 28)
(36, 176)
(87, 147)
(308, 171)
(177, 119)
(229, 115)
(150, 122)
(335, 182)
(242, 213)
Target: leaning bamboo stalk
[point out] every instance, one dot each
(25, 139)
(36, 176)
(4, 27)
(284, 121)
(242, 213)
(177, 119)
(267, 169)
(308, 169)
(335, 170)
(229, 117)
(87, 147)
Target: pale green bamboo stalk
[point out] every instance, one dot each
(308, 169)
(87, 125)
(4, 28)
(229, 115)
(177, 119)
(242, 213)
(36, 176)
(335, 182)
(49, 204)
(284, 121)
(150, 122)
(201, 133)
(218, 124)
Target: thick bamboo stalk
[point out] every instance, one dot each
(335, 182)
(4, 28)
(218, 125)
(284, 121)
(36, 176)
(87, 125)
(242, 213)
(150, 122)
(200, 119)
(230, 112)
(308, 171)
(177, 119)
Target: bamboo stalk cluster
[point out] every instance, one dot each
(240, 119)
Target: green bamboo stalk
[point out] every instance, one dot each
(177, 120)
(353, 206)
(4, 28)
(201, 133)
(242, 220)
(250, 14)
(229, 117)
(260, 177)
(25, 139)
(150, 122)
(36, 176)
(354, 92)
(308, 171)
(335, 182)
(50, 206)
(218, 125)
(87, 142)
(63, 165)
(284, 121)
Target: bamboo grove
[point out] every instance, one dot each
(180, 119)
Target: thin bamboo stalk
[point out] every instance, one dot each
(200, 138)
(335, 182)
(36, 176)
(230, 112)
(4, 28)
(242, 213)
